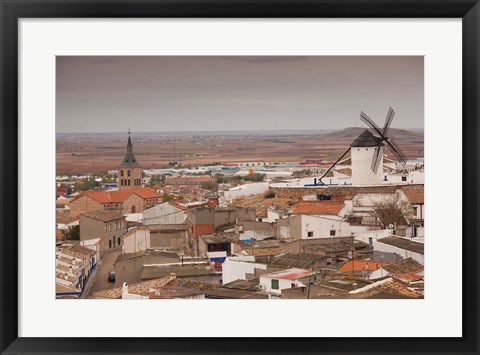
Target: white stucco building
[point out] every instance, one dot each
(362, 154)
(164, 213)
(237, 268)
(275, 282)
(137, 239)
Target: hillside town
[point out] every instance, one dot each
(251, 230)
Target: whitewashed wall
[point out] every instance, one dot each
(321, 226)
(136, 240)
(164, 214)
(235, 268)
(362, 173)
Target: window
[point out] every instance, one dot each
(404, 178)
(121, 172)
(128, 172)
(293, 285)
(109, 227)
(128, 182)
(118, 240)
(105, 227)
(415, 210)
(275, 284)
(332, 232)
(310, 234)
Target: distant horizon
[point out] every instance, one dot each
(133, 133)
(225, 93)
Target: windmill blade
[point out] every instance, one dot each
(388, 121)
(370, 123)
(395, 149)
(377, 158)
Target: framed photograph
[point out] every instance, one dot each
(239, 177)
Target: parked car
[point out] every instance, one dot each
(111, 276)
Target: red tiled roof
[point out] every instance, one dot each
(146, 192)
(58, 235)
(328, 207)
(359, 265)
(407, 277)
(414, 195)
(119, 195)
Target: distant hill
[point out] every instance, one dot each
(354, 132)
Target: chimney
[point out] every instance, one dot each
(124, 288)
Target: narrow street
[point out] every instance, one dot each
(98, 281)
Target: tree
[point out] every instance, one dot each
(209, 185)
(73, 233)
(166, 197)
(254, 177)
(391, 210)
(86, 184)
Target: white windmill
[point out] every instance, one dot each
(367, 152)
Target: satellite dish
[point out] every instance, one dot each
(390, 226)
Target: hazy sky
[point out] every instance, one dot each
(192, 93)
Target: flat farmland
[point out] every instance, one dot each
(92, 152)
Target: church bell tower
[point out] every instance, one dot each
(130, 171)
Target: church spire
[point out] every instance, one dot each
(129, 143)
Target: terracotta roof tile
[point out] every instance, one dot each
(327, 207)
(359, 265)
(415, 196)
(119, 195)
(405, 266)
(104, 216)
(141, 288)
(59, 288)
(64, 218)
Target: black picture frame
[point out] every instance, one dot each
(12, 11)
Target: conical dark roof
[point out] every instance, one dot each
(129, 161)
(366, 139)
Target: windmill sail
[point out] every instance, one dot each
(388, 121)
(383, 138)
(377, 158)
